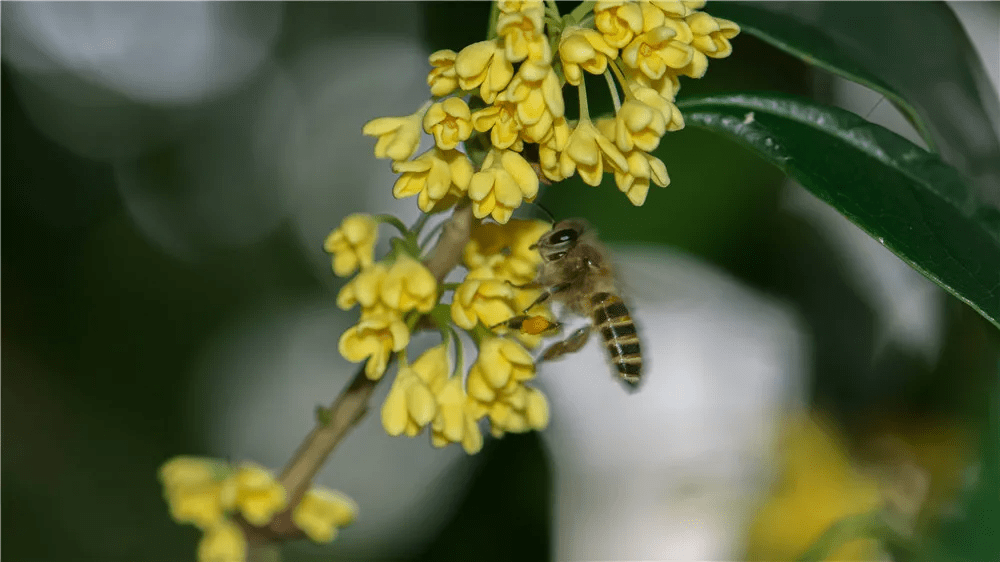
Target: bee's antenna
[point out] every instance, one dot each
(552, 218)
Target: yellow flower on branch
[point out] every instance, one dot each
(223, 542)
(619, 21)
(409, 285)
(642, 168)
(584, 49)
(638, 125)
(442, 78)
(656, 51)
(352, 243)
(710, 39)
(500, 119)
(450, 121)
(536, 90)
(374, 338)
(321, 512)
(504, 182)
(482, 298)
(258, 495)
(496, 385)
(438, 176)
(398, 137)
(586, 151)
(197, 490)
(411, 404)
(521, 28)
(365, 289)
(672, 116)
(484, 65)
(455, 421)
(505, 249)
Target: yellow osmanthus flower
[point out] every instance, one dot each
(619, 21)
(223, 542)
(484, 65)
(506, 249)
(482, 298)
(374, 338)
(656, 51)
(321, 512)
(398, 137)
(500, 119)
(409, 285)
(638, 125)
(520, 27)
(550, 149)
(455, 420)
(504, 182)
(352, 243)
(642, 169)
(366, 289)
(411, 404)
(672, 116)
(710, 39)
(437, 176)
(197, 490)
(536, 90)
(450, 121)
(586, 150)
(496, 385)
(442, 79)
(584, 50)
(258, 495)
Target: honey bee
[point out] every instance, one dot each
(575, 271)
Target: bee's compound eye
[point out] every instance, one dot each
(562, 236)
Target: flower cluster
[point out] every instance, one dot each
(396, 292)
(506, 94)
(207, 492)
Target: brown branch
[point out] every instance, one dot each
(350, 407)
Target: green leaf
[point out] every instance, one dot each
(898, 193)
(915, 53)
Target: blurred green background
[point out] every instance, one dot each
(104, 326)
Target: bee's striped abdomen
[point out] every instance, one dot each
(612, 320)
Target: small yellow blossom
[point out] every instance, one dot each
(484, 65)
(258, 495)
(442, 79)
(506, 249)
(223, 543)
(197, 491)
(365, 289)
(454, 421)
(642, 168)
(450, 121)
(504, 182)
(501, 120)
(521, 31)
(619, 21)
(374, 338)
(584, 49)
(710, 39)
(586, 151)
(672, 116)
(398, 137)
(550, 150)
(482, 298)
(496, 385)
(535, 89)
(638, 125)
(321, 512)
(656, 51)
(411, 404)
(435, 175)
(352, 243)
(409, 285)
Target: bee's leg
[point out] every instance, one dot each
(529, 324)
(568, 345)
(548, 292)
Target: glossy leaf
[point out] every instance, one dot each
(915, 53)
(898, 193)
